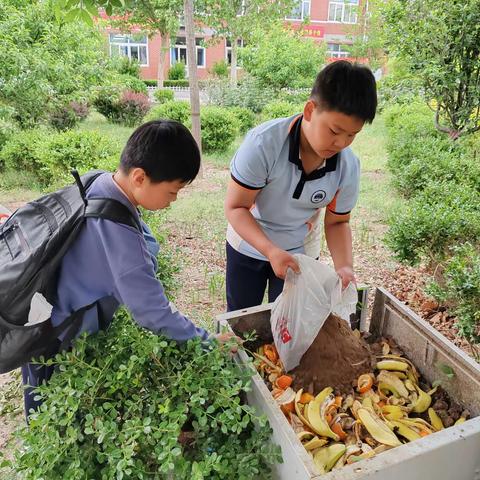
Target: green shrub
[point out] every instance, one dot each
(441, 216)
(22, 151)
(245, 117)
(219, 128)
(460, 288)
(220, 69)
(175, 83)
(50, 156)
(173, 110)
(433, 163)
(297, 97)
(127, 82)
(411, 134)
(105, 100)
(131, 108)
(177, 71)
(7, 125)
(280, 110)
(248, 94)
(163, 95)
(150, 83)
(126, 66)
(63, 118)
(127, 403)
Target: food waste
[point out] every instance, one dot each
(386, 407)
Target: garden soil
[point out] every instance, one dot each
(336, 358)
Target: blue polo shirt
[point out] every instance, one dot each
(268, 160)
(113, 263)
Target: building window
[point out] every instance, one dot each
(178, 53)
(343, 11)
(300, 11)
(132, 46)
(335, 50)
(228, 50)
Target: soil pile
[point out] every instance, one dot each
(335, 359)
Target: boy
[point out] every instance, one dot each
(114, 263)
(284, 172)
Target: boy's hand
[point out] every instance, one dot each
(280, 260)
(227, 337)
(347, 275)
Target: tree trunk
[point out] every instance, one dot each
(192, 72)
(161, 60)
(233, 66)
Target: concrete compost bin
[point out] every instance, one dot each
(453, 453)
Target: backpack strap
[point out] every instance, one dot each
(110, 209)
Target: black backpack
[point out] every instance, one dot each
(33, 241)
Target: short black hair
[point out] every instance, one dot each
(347, 88)
(165, 149)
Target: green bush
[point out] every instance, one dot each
(63, 118)
(439, 217)
(219, 128)
(173, 110)
(433, 163)
(248, 94)
(177, 71)
(7, 124)
(129, 404)
(126, 66)
(460, 288)
(163, 95)
(245, 117)
(127, 82)
(50, 156)
(105, 100)
(220, 69)
(150, 83)
(297, 97)
(175, 83)
(131, 108)
(280, 110)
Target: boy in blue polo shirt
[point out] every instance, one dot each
(112, 263)
(284, 172)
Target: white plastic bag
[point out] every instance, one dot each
(306, 301)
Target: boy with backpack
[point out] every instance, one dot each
(284, 172)
(112, 259)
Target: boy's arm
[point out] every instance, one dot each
(144, 296)
(338, 235)
(238, 203)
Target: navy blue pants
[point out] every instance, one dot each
(34, 375)
(247, 280)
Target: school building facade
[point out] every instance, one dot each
(329, 21)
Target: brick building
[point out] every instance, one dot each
(330, 21)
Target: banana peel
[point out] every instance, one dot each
(314, 443)
(326, 458)
(435, 420)
(390, 381)
(305, 436)
(315, 414)
(396, 365)
(405, 431)
(377, 428)
(423, 402)
(300, 413)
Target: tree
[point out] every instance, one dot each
(236, 20)
(154, 17)
(45, 62)
(282, 58)
(366, 35)
(144, 9)
(440, 42)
